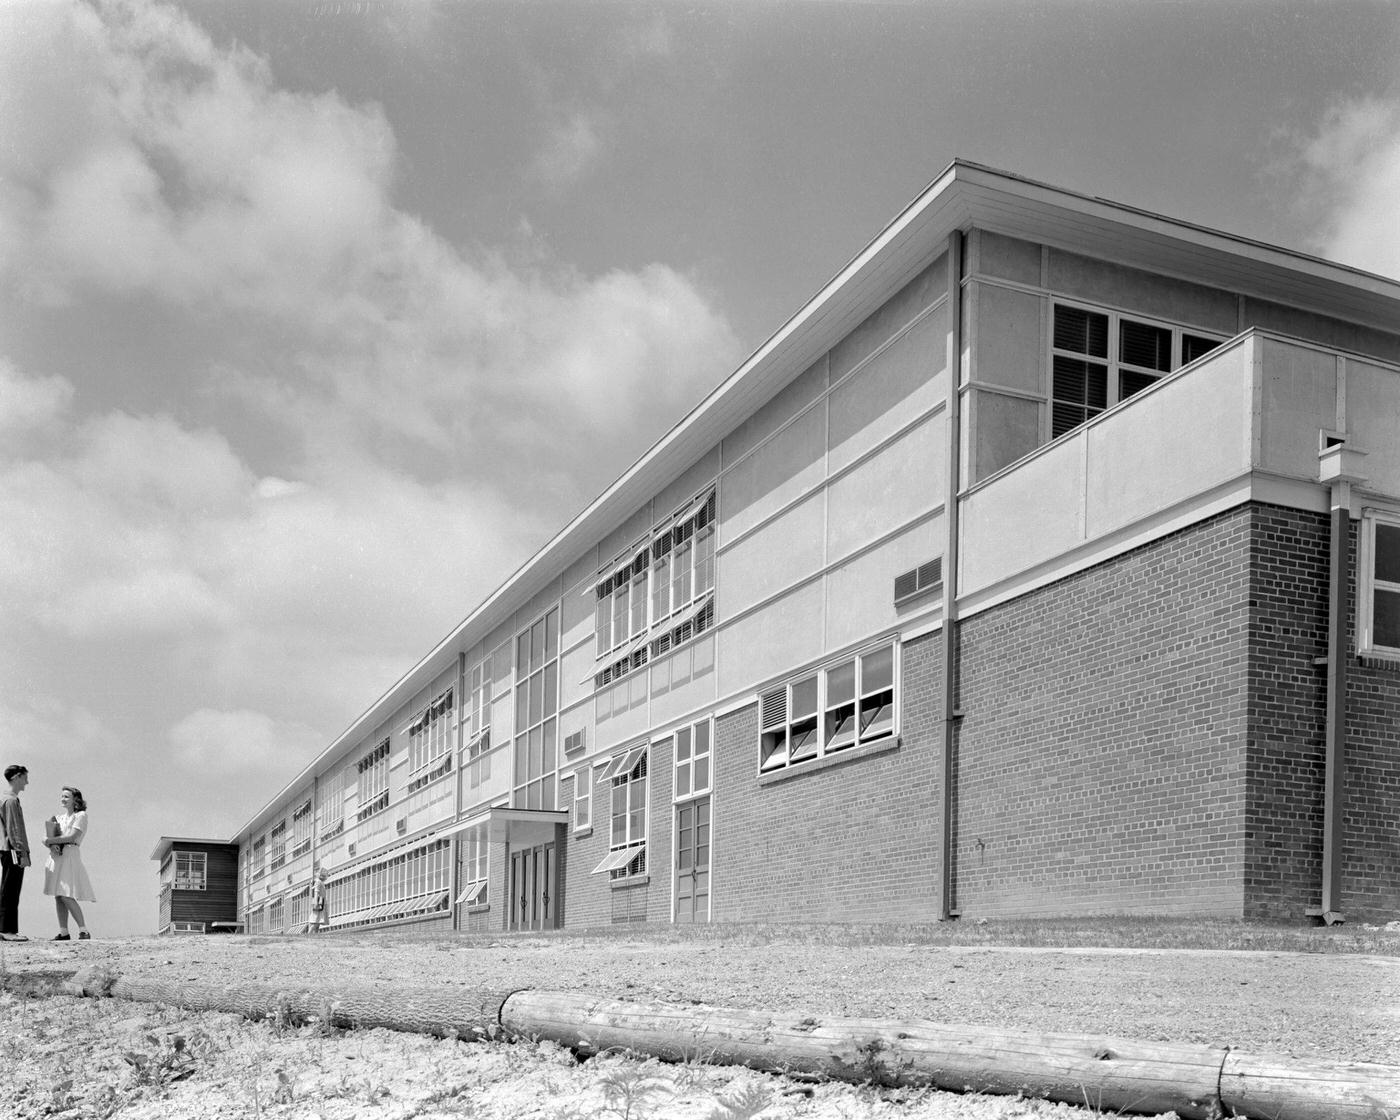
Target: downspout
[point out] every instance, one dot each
(1339, 468)
(455, 848)
(947, 885)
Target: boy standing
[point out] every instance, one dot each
(14, 852)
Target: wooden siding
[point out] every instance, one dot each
(218, 902)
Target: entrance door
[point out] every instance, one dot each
(693, 861)
(533, 888)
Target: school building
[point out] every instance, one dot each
(1047, 562)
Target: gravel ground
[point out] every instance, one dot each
(1338, 1000)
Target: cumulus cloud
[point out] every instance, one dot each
(1349, 172)
(29, 403)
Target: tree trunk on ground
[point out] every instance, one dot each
(1107, 1074)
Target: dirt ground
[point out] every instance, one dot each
(1297, 996)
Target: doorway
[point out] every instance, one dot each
(534, 888)
(693, 861)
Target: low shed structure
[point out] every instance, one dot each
(198, 885)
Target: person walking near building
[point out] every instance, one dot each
(14, 852)
(65, 877)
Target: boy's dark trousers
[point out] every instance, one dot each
(11, 878)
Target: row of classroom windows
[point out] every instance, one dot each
(817, 714)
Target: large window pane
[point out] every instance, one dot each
(1387, 565)
(1084, 332)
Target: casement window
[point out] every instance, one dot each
(692, 754)
(191, 871)
(274, 916)
(277, 846)
(255, 920)
(1378, 604)
(1098, 358)
(583, 799)
(259, 857)
(430, 743)
(405, 884)
(301, 829)
(657, 595)
(373, 781)
(474, 865)
(299, 911)
(626, 776)
(478, 720)
(330, 797)
(850, 702)
(536, 713)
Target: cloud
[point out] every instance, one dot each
(242, 743)
(1348, 174)
(572, 148)
(28, 404)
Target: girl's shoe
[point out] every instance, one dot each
(62, 937)
(85, 936)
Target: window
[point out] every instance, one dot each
(259, 857)
(277, 844)
(536, 713)
(1099, 358)
(301, 829)
(191, 871)
(274, 916)
(373, 771)
(693, 760)
(331, 798)
(407, 884)
(820, 713)
(474, 867)
(659, 594)
(583, 798)
(1379, 600)
(627, 855)
(430, 743)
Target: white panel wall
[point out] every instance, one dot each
(777, 472)
(910, 376)
(1178, 439)
(1373, 423)
(768, 642)
(777, 555)
(860, 593)
(683, 682)
(1299, 397)
(902, 480)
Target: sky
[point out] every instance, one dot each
(319, 317)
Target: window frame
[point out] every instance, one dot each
(535, 735)
(189, 879)
(372, 781)
(1368, 585)
(581, 809)
(629, 771)
(814, 717)
(431, 740)
(687, 766)
(1114, 364)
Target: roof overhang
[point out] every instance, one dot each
(166, 843)
(964, 196)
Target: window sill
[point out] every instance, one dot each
(633, 881)
(483, 908)
(1380, 658)
(867, 750)
(580, 833)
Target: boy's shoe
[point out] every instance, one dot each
(62, 937)
(13, 937)
(85, 936)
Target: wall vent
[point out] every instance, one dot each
(915, 582)
(574, 741)
(350, 848)
(401, 825)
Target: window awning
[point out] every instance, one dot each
(680, 618)
(473, 892)
(623, 763)
(615, 861)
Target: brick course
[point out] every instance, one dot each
(1099, 758)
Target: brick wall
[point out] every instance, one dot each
(854, 841)
(1100, 764)
(1287, 734)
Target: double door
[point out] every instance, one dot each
(534, 887)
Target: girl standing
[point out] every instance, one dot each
(65, 877)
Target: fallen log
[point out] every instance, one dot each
(1108, 1074)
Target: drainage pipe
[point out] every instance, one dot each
(947, 880)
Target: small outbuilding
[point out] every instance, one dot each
(198, 885)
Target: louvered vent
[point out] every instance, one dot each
(916, 581)
(574, 741)
(775, 708)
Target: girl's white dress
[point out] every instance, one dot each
(64, 874)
